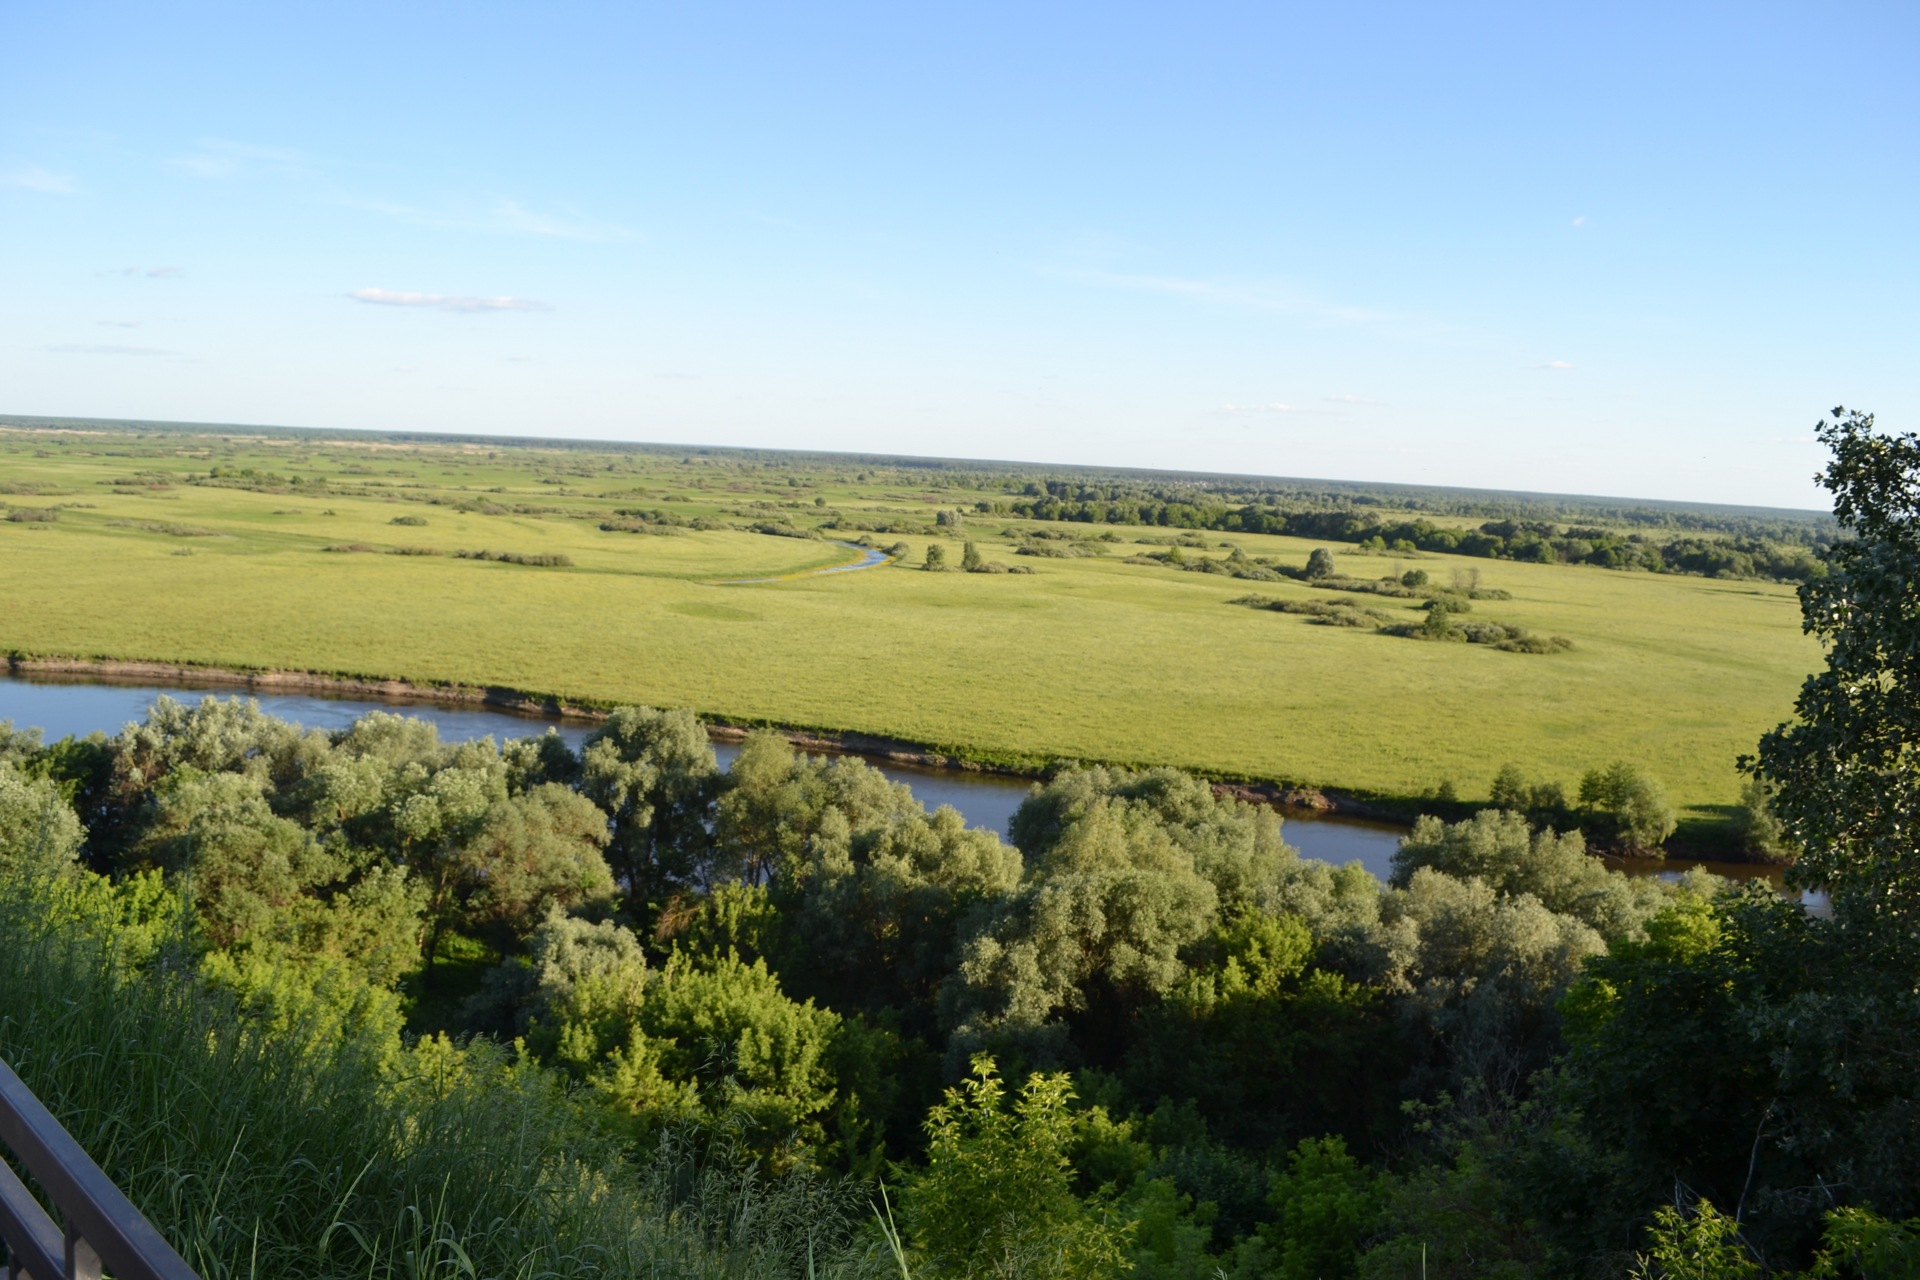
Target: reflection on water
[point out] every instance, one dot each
(80, 705)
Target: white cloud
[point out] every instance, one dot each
(1580, 221)
(1555, 366)
(34, 178)
(164, 273)
(118, 324)
(444, 302)
(106, 349)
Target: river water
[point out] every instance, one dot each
(77, 706)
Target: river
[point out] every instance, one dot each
(77, 706)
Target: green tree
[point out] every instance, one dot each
(970, 557)
(1846, 773)
(38, 831)
(1329, 1204)
(1626, 807)
(936, 557)
(653, 772)
(1320, 563)
(534, 852)
(996, 1198)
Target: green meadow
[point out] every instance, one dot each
(1088, 658)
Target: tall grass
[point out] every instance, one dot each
(297, 1146)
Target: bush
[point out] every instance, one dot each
(552, 559)
(408, 520)
(1625, 806)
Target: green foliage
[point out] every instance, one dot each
(532, 853)
(1499, 848)
(1760, 832)
(1543, 803)
(1266, 1048)
(936, 557)
(996, 1198)
(1809, 1025)
(720, 1041)
(654, 772)
(270, 1122)
(1320, 563)
(38, 831)
(1329, 1206)
(1700, 1245)
(1859, 1242)
(970, 558)
(1623, 805)
(1846, 774)
(1125, 871)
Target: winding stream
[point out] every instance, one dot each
(870, 557)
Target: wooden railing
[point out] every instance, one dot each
(103, 1229)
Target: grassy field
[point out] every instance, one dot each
(1088, 658)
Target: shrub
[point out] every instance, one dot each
(1625, 806)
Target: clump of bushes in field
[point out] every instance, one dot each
(1048, 545)
(413, 551)
(971, 561)
(1440, 623)
(781, 529)
(642, 520)
(1336, 613)
(547, 559)
(344, 547)
(414, 521)
(33, 515)
(171, 530)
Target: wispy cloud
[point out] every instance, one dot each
(220, 158)
(106, 349)
(151, 273)
(502, 217)
(1580, 221)
(514, 216)
(118, 324)
(444, 301)
(1346, 399)
(1555, 366)
(1257, 296)
(46, 181)
(1274, 408)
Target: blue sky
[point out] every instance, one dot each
(1621, 249)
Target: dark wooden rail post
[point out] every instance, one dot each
(103, 1229)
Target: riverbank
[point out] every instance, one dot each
(1288, 798)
